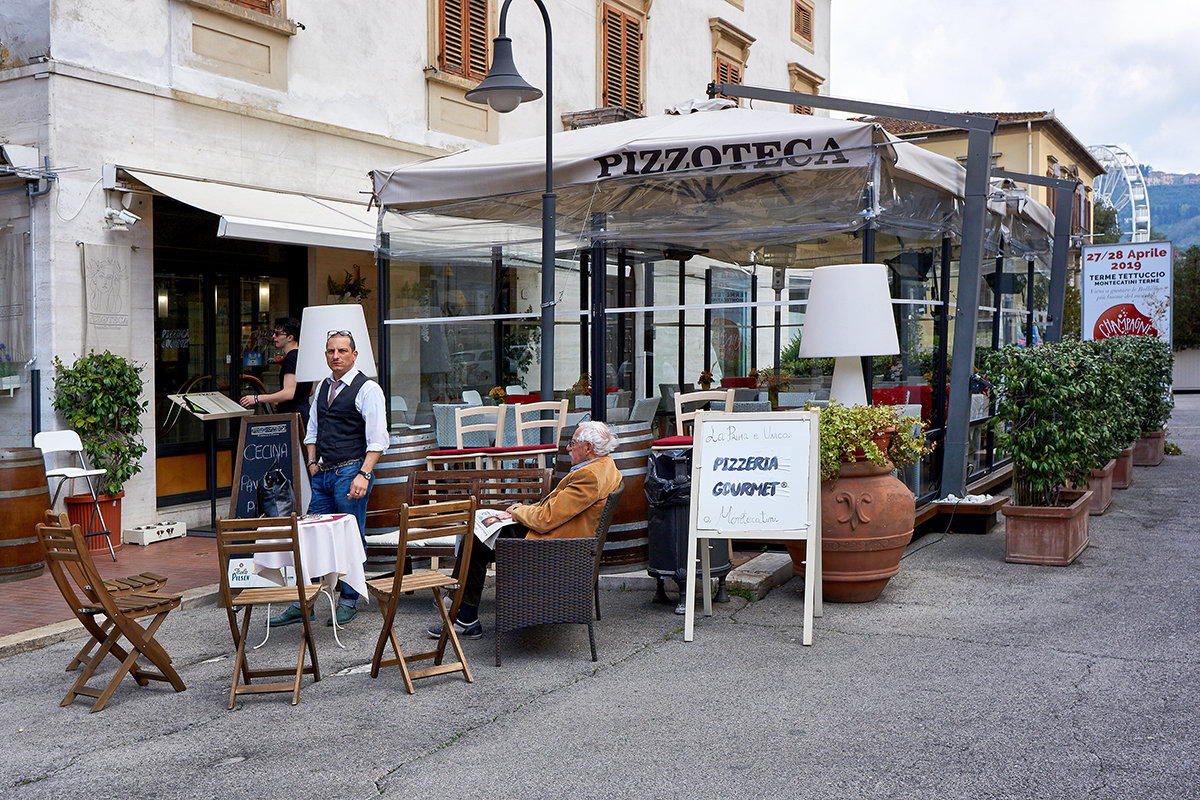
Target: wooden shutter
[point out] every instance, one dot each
(463, 38)
(727, 72)
(255, 5)
(802, 20)
(622, 60)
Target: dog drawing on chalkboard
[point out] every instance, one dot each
(275, 495)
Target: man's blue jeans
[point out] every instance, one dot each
(330, 490)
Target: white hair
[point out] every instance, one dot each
(599, 435)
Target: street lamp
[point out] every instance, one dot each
(504, 89)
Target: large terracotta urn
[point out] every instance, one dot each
(866, 522)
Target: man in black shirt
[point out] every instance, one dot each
(293, 397)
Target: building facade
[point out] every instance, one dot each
(178, 173)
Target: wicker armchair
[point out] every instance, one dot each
(549, 581)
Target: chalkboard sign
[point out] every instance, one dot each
(755, 476)
(266, 475)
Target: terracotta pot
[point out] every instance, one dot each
(1123, 472)
(1148, 451)
(1101, 486)
(79, 511)
(866, 522)
(1047, 535)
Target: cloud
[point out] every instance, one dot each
(1110, 76)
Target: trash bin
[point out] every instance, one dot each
(668, 500)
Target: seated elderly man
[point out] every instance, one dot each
(571, 511)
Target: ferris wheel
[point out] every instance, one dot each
(1123, 188)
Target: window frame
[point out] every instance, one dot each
(629, 18)
(800, 10)
(470, 67)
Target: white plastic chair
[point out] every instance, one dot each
(400, 415)
(69, 442)
(472, 397)
(514, 388)
(644, 410)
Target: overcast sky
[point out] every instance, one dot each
(1125, 73)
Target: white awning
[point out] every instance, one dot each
(269, 216)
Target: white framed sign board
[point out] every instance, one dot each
(1125, 290)
(756, 476)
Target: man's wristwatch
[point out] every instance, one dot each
(366, 475)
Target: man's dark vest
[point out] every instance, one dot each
(341, 429)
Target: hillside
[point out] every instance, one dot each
(1175, 207)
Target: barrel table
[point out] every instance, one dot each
(626, 549)
(24, 498)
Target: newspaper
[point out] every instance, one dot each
(489, 523)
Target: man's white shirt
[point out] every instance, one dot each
(369, 402)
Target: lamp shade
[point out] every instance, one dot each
(315, 324)
(849, 313)
(503, 88)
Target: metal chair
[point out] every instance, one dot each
(68, 441)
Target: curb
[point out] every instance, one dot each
(37, 638)
(756, 577)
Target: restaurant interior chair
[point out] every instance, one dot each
(244, 538)
(491, 428)
(698, 400)
(514, 388)
(472, 397)
(644, 410)
(528, 449)
(116, 587)
(113, 621)
(432, 521)
(551, 581)
(68, 441)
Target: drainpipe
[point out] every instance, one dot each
(35, 373)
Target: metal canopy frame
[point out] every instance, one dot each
(980, 130)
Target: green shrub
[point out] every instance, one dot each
(100, 397)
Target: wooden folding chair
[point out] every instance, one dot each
(117, 587)
(694, 399)
(424, 522)
(245, 537)
(75, 574)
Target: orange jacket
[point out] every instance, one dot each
(573, 509)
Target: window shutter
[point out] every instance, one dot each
(463, 38)
(622, 60)
(728, 72)
(802, 20)
(263, 6)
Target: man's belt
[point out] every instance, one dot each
(327, 467)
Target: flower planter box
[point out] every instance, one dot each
(1148, 451)
(1123, 471)
(1101, 486)
(1047, 535)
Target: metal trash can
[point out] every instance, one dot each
(668, 500)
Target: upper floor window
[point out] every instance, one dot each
(463, 38)
(731, 50)
(803, 80)
(263, 6)
(621, 58)
(802, 23)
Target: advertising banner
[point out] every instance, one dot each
(1125, 290)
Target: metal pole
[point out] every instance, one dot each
(1058, 263)
(1029, 303)
(384, 340)
(599, 361)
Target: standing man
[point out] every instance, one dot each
(292, 397)
(347, 433)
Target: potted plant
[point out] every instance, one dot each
(705, 380)
(867, 513)
(350, 288)
(497, 395)
(1046, 425)
(1149, 363)
(100, 397)
(774, 382)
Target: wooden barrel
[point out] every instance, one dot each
(627, 547)
(24, 498)
(393, 471)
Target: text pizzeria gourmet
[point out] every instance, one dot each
(736, 155)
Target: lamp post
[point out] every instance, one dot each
(504, 89)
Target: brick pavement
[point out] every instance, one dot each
(188, 562)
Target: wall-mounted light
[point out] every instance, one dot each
(162, 304)
(264, 297)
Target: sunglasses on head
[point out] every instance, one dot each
(338, 333)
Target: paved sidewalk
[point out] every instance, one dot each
(969, 678)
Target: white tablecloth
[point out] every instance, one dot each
(330, 549)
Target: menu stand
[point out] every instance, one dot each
(210, 408)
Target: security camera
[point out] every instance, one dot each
(119, 218)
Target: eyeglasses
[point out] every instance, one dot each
(279, 332)
(576, 443)
(338, 333)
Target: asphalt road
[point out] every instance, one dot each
(968, 678)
